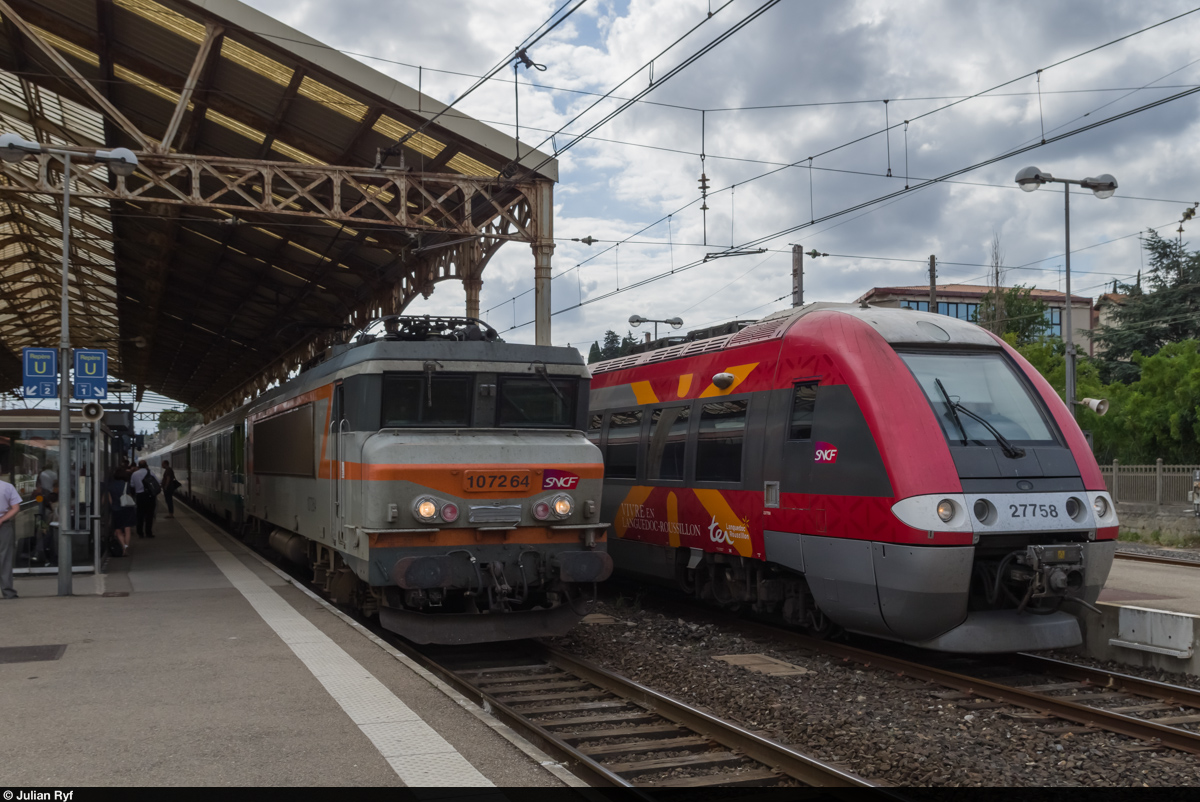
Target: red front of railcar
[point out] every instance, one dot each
(818, 464)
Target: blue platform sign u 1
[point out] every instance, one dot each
(39, 369)
(91, 374)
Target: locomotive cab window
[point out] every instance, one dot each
(668, 441)
(719, 443)
(621, 455)
(804, 403)
(539, 402)
(962, 388)
(426, 400)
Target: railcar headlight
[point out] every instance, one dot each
(983, 510)
(1101, 506)
(563, 506)
(426, 509)
(1074, 508)
(449, 513)
(541, 510)
(945, 510)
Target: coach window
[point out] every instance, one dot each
(426, 400)
(668, 439)
(719, 445)
(803, 403)
(624, 429)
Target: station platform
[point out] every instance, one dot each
(193, 662)
(1149, 616)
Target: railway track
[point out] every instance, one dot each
(612, 731)
(1153, 712)
(1155, 558)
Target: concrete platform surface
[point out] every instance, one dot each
(214, 670)
(1163, 587)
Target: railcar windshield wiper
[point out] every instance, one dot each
(950, 405)
(1010, 451)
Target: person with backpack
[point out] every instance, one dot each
(147, 488)
(169, 485)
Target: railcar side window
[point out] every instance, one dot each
(668, 438)
(540, 402)
(595, 424)
(803, 404)
(426, 400)
(624, 428)
(719, 447)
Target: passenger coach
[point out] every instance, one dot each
(897, 473)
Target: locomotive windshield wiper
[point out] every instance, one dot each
(1010, 451)
(950, 405)
(540, 369)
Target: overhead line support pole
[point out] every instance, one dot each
(797, 276)
(933, 284)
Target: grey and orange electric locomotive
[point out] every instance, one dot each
(438, 475)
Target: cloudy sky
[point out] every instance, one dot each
(806, 79)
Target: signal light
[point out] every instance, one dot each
(449, 513)
(541, 510)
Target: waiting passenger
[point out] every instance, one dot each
(123, 507)
(169, 485)
(145, 500)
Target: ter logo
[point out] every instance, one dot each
(826, 452)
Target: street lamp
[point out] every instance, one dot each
(1102, 186)
(122, 162)
(673, 322)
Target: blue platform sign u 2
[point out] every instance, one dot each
(91, 374)
(40, 372)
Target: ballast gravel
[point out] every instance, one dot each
(876, 724)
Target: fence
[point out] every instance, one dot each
(1149, 484)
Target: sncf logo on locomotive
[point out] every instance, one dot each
(554, 479)
(825, 452)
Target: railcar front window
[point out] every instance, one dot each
(420, 400)
(537, 402)
(988, 386)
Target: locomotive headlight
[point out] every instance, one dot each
(1101, 506)
(426, 509)
(563, 506)
(945, 510)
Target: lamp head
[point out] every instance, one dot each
(675, 322)
(1102, 186)
(1031, 178)
(636, 320)
(13, 148)
(121, 161)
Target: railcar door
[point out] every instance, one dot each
(337, 479)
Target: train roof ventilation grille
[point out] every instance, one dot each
(705, 346)
(664, 354)
(758, 332)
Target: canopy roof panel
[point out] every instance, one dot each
(217, 296)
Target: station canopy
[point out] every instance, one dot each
(213, 270)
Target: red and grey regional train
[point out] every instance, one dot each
(892, 472)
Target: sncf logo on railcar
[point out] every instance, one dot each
(554, 479)
(825, 452)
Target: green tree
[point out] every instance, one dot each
(612, 345)
(594, 354)
(627, 343)
(1017, 313)
(1164, 311)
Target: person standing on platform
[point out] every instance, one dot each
(123, 517)
(10, 505)
(45, 549)
(145, 500)
(169, 485)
